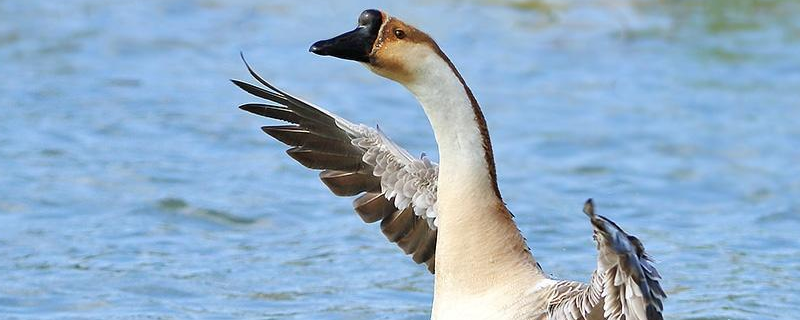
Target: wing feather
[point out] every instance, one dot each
(624, 287)
(630, 289)
(393, 187)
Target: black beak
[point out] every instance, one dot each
(354, 45)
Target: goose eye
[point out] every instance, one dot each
(399, 34)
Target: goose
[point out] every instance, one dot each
(449, 216)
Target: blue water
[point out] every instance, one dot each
(131, 187)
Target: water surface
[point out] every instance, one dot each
(132, 188)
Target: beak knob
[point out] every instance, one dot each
(353, 45)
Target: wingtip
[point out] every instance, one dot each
(588, 207)
(260, 79)
(241, 85)
(241, 55)
(249, 108)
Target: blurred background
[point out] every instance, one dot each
(131, 187)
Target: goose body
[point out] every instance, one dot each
(450, 216)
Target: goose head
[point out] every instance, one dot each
(384, 44)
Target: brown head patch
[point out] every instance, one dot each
(396, 43)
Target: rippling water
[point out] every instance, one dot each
(132, 188)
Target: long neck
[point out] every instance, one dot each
(478, 243)
(458, 123)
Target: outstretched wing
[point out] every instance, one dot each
(395, 188)
(624, 287)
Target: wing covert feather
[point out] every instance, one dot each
(393, 187)
(625, 285)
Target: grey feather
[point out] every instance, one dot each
(396, 188)
(624, 287)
